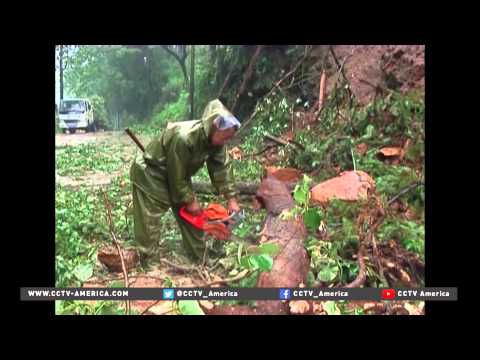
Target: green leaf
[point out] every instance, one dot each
(328, 273)
(369, 132)
(117, 284)
(310, 279)
(239, 253)
(58, 307)
(242, 230)
(300, 196)
(312, 219)
(269, 249)
(110, 310)
(168, 282)
(264, 262)
(245, 263)
(83, 272)
(331, 308)
(190, 307)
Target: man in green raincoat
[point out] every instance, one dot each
(161, 176)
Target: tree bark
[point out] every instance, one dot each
(181, 61)
(245, 188)
(192, 83)
(61, 72)
(291, 264)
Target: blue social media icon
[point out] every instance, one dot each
(167, 294)
(284, 294)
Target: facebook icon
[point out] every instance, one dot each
(284, 294)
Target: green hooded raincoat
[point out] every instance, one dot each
(161, 178)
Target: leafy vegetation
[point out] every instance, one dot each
(146, 88)
(77, 160)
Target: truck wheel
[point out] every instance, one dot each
(64, 131)
(72, 131)
(93, 128)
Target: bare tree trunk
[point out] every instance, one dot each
(213, 54)
(61, 72)
(181, 61)
(192, 83)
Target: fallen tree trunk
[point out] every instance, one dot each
(246, 188)
(291, 264)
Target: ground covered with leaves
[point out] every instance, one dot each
(341, 138)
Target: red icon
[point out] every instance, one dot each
(388, 294)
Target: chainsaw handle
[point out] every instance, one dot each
(197, 221)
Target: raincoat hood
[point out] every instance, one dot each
(214, 109)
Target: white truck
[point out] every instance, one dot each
(76, 114)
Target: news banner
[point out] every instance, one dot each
(373, 294)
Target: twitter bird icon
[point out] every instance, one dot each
(168, 294)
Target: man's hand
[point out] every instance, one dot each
(233, 206)
(194, 207)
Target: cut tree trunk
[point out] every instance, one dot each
(245, 188)
(291, 264)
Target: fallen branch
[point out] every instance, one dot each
(244, 125)
(370, 236)
(178, 267)
(237, 277)
(248, 75)
(284, 142)
(340, 67)
(261, 151)
(149, 307)
(184, 268)
(135, 277)
(117, 245)
(379, 263)
(362, 274)
(376, 87)
(321, 97)
(405, 190)
(305, 79)
(330, 47)
(234, 67)
(155, 303)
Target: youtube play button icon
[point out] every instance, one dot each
(388, 294)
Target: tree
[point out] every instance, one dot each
(179, 52)
(63, 54)
(192, 82)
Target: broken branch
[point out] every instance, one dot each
(405, 190)
(340, 67)
(248, 75)
(262, 151)
(149, 307)
(117, 245)
(237, 277)
(244, 125)
(362, 275)
(178, 267)
(284, 142)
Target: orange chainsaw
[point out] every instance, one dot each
(220, 228)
